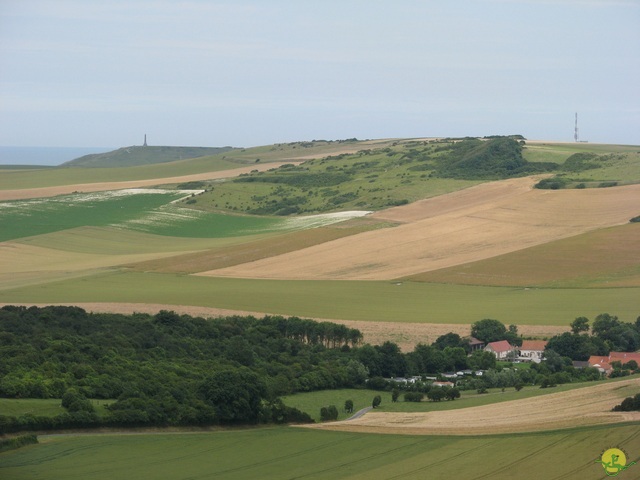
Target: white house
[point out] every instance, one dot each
(532, 350)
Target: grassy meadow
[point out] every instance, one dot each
(288, 453)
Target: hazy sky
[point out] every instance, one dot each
(244, 73)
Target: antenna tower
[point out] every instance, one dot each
(575, 134)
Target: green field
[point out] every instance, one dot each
(288, 453)
(348, 300)
(145, 210)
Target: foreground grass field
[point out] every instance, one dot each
(345, 300)
(288, 453)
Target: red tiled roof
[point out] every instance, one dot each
(624, 357)
(501, 346)
(535, 345)
(605, 361)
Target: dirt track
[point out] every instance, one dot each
(473, 224)
(574, 408)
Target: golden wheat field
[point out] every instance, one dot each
(480, 222)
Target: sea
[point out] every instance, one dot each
(46, 156)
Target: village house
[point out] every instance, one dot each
(500, 349)
(532, 350)
(603, 362)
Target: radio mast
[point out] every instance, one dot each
(575, 134)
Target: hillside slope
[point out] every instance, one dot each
(139, 155)
(480, 222)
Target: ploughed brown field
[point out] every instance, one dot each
(477, 223)
(575, 408)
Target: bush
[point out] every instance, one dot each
(17, 442)
(329, 413)
(76, 402)
(551, 183)
(451, 393)
(629, 404)
(436, 394)
(413, 396)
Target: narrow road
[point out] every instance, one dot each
(359, 413)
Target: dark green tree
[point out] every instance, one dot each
(574, 346)
(617, 335)
(481, 360)
(235, 394)
(452, 340)
(377, 400)
(456, 358)
(451, 393)
(74, 401)
(579, 325)
(413, 396)
(395, 393)
(436, 394)
(488, 330)
(348, 406)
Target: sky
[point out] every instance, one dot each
(244, 73)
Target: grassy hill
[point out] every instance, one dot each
(139, 155)
(378, 176)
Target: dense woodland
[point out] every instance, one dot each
(170, 369)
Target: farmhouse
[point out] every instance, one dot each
(532, 350)
(603, 362)
(500, 349)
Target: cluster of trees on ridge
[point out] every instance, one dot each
(170, 369)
